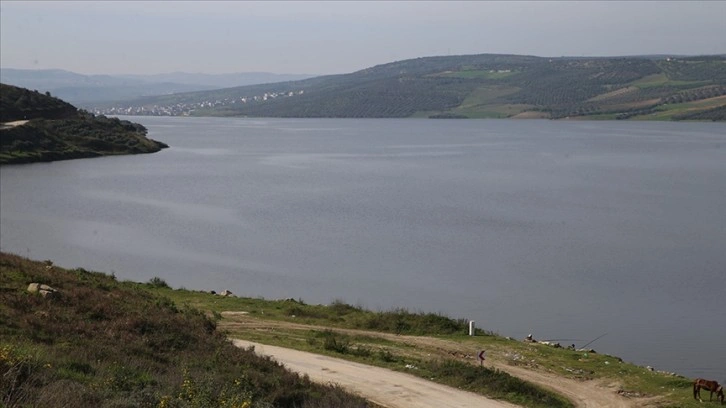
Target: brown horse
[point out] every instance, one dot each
(707, 385)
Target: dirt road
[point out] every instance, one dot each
(384, 387)
(584, 394)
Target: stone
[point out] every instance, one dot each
(43, 290)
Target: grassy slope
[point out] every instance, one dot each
(104, 343)
(667, 390)
(57, 131)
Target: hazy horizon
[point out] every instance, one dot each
(313, 74)
(321, 38)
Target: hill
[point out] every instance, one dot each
(85, 90)
(476, 86)
(97, 342)
(39, 127)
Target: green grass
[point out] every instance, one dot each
(484, 103)
(337, 314)
(492, 110)
(600, 116)
(660, 80)
(487, 94)
(674, 389)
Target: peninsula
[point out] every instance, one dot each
(36, 127)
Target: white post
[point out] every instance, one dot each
(471, 327)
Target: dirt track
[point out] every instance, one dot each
(584, 394)
(384, 387)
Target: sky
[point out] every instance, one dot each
(331, 37)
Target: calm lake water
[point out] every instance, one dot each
(566, 230)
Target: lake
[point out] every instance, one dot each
(568, 230)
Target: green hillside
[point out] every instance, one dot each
(38, 127)
(98, 342)
(477, 86)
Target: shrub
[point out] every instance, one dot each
(157, 282)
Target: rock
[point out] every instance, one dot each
(227, 293)
(44, 290)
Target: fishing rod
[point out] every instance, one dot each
(596, 339)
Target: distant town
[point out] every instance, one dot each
(188, 108)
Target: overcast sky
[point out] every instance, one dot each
(337, 37)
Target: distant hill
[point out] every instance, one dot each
(39, 127)
(93, 89)
(477, 86)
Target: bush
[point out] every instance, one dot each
(157, 282)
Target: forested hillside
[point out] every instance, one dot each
(22, 104)
(39, 127)
(477, 86)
